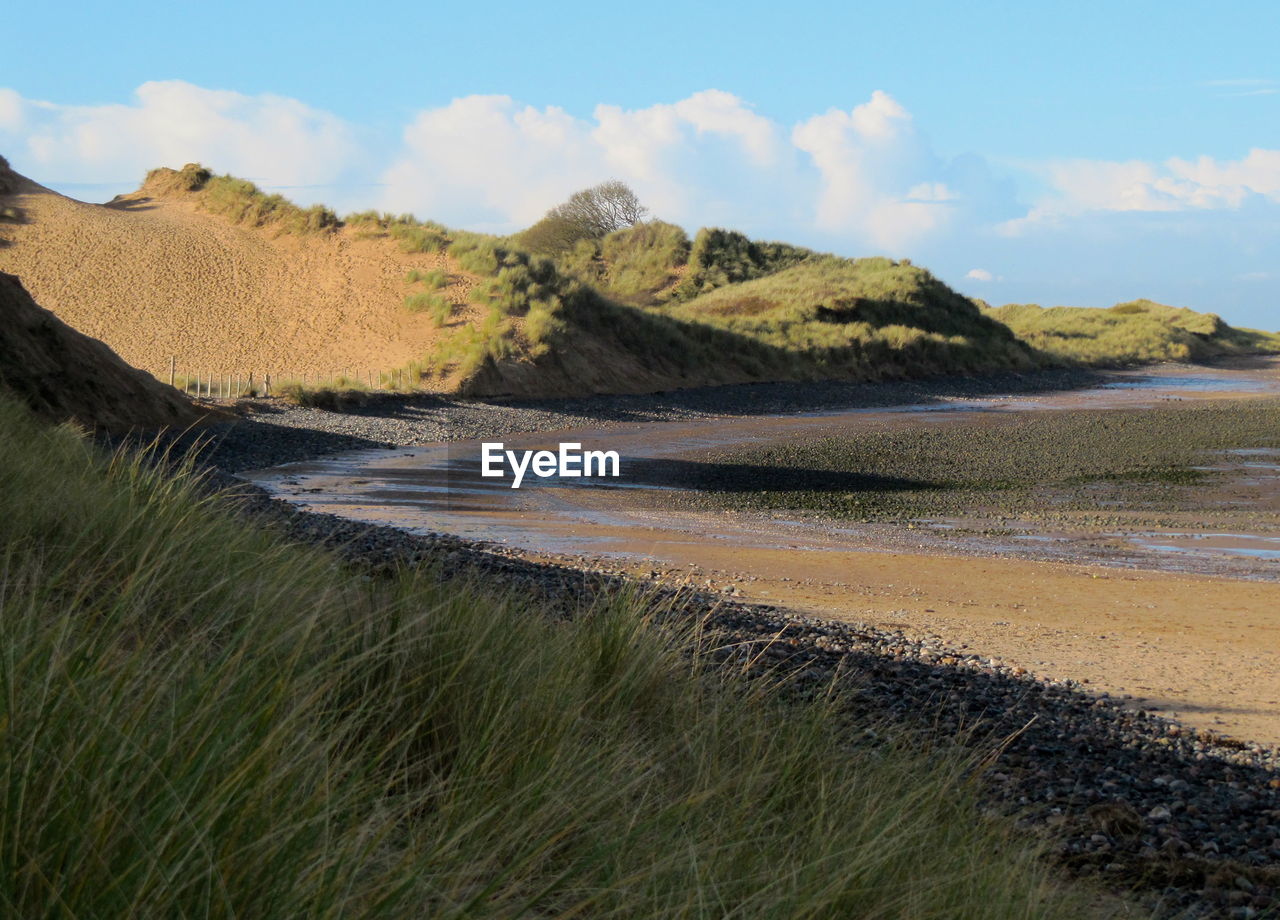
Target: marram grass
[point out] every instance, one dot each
(198, 719)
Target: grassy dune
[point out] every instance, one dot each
(821, 317)
(200, 720)
(640, 309)
(862, 319)
(872, 318)
(1138, 332)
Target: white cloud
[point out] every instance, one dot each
(857, 179)
(1240, 81)
(931, 191)
(881, 118)
(1244, 86)
(517, 161)
(716, 112)
(11, 110)
(979, 274)
(1083, 186)
(879, 179)
(1229, 182)
(271, 138)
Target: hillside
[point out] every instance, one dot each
(213, 273)
(155, 274)
(64, 376)
(224, 278)
(861, 318)
(1129, 333)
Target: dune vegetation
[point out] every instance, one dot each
(860, 319)
(632, 265)
(1137, 332)
(725, 309)
(242, 202)
(202, 719)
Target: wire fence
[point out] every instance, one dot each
(210, 384)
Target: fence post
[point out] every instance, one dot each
(173, 369)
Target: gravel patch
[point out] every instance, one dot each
(272, 431)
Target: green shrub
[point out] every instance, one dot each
(476, 253)
(365, 219)
(541, 324)
(859, 318)
(719, 257)
(583, 262)
(418, 239)
(633, 263)
(336, 395)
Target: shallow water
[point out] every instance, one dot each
(437, 488)
(1255, 546)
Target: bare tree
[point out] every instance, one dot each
(588, 214)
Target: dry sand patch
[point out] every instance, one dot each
(155, 277)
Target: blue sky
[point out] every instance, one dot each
(1084, 153)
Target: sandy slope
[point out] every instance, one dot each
(65, 376)
(154, 277)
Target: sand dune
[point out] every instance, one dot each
(65, 376)
(154, 277)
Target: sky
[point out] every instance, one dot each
(1084, 154)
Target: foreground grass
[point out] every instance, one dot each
(1041, 464)
(200, 720)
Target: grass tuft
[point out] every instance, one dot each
(243, 202)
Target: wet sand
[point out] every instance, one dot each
(1204, 649)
